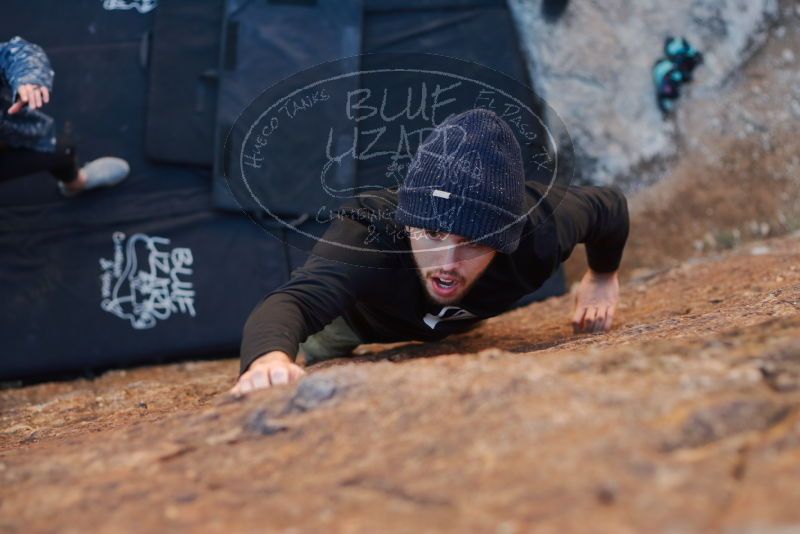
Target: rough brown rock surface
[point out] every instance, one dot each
(685, 418)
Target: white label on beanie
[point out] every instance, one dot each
(441, 194)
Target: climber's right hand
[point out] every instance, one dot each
(270, 369)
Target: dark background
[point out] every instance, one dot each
(160, 89)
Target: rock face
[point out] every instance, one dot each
(684, 418)
(593, 66)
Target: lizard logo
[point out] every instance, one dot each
(146, 282)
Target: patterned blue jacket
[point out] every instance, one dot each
(23, 63)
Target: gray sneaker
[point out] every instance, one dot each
(102, 172)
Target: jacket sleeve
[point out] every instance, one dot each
(597, 217)
(316, 294)
(328, 285)
(24, 63)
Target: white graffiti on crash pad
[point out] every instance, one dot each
(142, 6)
(146, 282)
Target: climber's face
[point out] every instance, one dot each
(448, 264)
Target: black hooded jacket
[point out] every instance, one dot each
(372, 283)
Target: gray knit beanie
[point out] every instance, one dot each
(467, 178)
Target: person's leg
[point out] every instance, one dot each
(102, 172)
(17, 162)
(334, 341)
(62, 164)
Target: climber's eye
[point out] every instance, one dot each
(434, 235)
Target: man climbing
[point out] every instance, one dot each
(461, 240)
